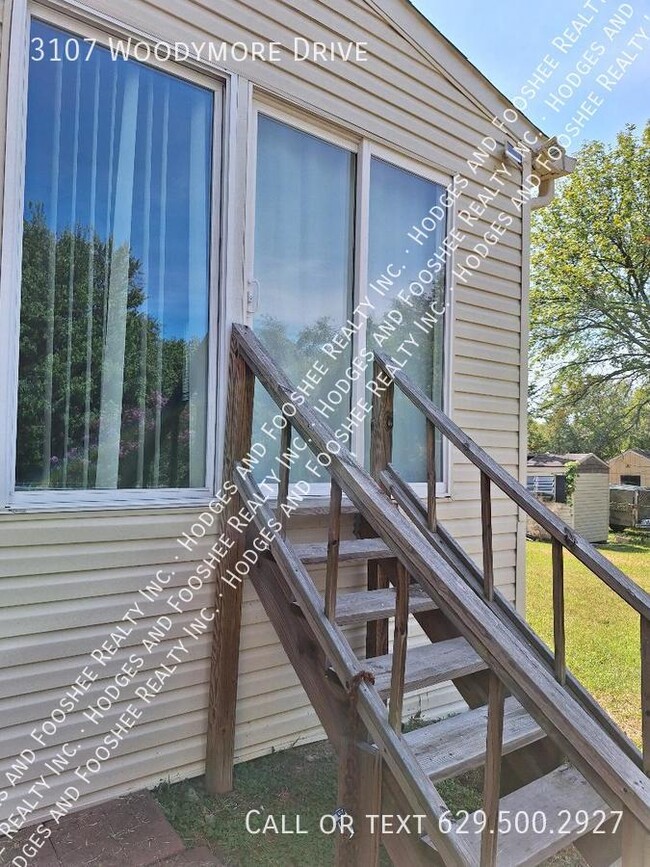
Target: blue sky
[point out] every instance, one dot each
(507, 41)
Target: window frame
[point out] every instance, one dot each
(101, 28)
(365, 149)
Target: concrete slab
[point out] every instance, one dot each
(127, 832)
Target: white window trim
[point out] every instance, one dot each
(365, 149)
(100, 27)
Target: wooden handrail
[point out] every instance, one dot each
(562, 535)
(619, 582)
(419, 790)
(448, 548)
(592, 751)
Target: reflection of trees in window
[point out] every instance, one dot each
(64, 306)
(296, 356)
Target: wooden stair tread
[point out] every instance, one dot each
(428, 665)
(378, 604)
(457, 744)
(314, 553)
(564, 789)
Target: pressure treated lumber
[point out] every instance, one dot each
(367, 605)
(581, 738)
(456, 744)
(429, 664)
(224, 672)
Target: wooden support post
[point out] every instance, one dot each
(400, 642)
(381, 453)
(285, 470)
(645, 692)
(333, 539)
(492, 784)
(635, 847)
(377, 630)
(558, 611)
(432, 520)
(360, 787)
(486, 532)
(220, 746)
(381, 433)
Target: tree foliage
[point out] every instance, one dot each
(590, 301)
(605, 421)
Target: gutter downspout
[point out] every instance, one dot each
(546, 194)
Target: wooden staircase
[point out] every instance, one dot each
(557, 770)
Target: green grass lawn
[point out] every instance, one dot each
(301, 781)
(602, 632)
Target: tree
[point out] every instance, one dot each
(590, 290)
(606, 421)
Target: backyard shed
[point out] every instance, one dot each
(632, 467)
(576, 488)
(180, 199)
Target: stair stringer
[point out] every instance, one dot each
(333, 705)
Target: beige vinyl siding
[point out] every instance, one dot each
(591, 506)
(67, 578)
(630, 463)
(54, 612)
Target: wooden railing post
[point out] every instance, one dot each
(220, 745)
(486, 533)
(558, 611)
(635, 842)
(432, 519)
(285, 470)
(400, 641)
(359, 793)
(492, 784)
(381, 429)
(381, 453)
(333, 540)
(645, 692)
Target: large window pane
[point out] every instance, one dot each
(114, 312)
(400, 200)
(304, 218)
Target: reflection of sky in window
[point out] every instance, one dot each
(304, 216)
(184, 140)
(400, 200)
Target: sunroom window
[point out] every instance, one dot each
(308, 193)
(304, 254)
(115, 273)
(400, 200)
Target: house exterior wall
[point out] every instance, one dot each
(630, 463)
(67, 578)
